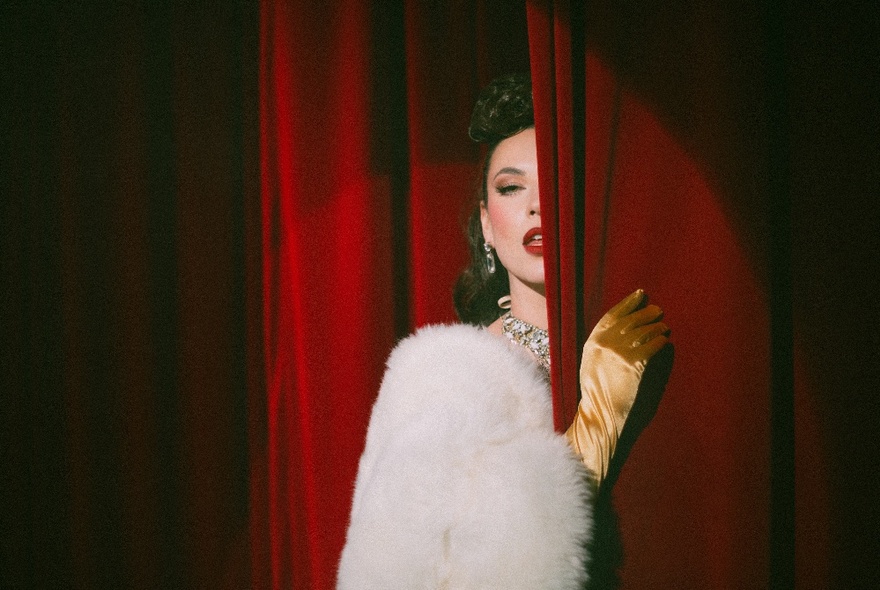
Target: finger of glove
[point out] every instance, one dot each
(651, 346)
(643, 334)
(628, 346)
(641, 317)
(625, 307)
(647, 350)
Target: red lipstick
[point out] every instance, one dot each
(533, 242)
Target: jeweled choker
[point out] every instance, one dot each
(531, 337)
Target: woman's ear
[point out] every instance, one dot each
(488, 237)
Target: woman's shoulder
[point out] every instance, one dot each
(459, 365)
(447, 337)
(457, 348)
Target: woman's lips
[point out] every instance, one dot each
(533, 242)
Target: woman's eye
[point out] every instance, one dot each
(507, 189)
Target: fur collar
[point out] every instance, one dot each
(463, 482)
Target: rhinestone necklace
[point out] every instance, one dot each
(531, 337)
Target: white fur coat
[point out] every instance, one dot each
(463, 483)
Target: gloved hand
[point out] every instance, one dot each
(614, 359)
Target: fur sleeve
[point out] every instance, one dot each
(463, 482)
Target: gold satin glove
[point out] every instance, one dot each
(614, 359)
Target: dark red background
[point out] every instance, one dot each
(217, 221)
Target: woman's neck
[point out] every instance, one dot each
(528, 303)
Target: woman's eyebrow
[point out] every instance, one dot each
(509, 170)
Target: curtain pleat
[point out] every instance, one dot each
(327, 238)
(559, 125)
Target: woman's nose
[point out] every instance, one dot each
(535, 205)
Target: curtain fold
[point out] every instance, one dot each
(572, 223)
(326, 237)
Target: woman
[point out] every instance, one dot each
(463, 482)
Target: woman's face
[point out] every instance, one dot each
(511, 217)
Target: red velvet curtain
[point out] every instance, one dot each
(217, 220)
(663, 167)
(631, 202)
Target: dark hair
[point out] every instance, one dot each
(503, 109)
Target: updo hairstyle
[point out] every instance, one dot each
(503, 109)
